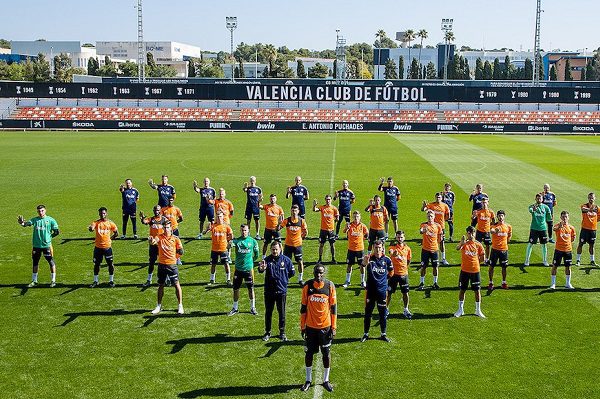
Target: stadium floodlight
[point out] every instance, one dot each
(536, 46)
(340, 57)
(447, 24)
(141, 54)
(231, 24)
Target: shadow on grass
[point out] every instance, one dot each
(546, 290)
(179, 344)
(588, 269)
(71, 317)
(164, 315)
(274, 345)
(251, 390)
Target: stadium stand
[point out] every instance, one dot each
(512, 117)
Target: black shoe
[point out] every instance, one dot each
(328, 387)
(94, 284)
(283, 337)
(385, 338)
(305, 386)
(436, 286)
(301, 283)
(148, 283)
(364, 337)
(111, 284)
(266, 337)
(334, 261)
(421, 287)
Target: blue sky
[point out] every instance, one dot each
(306, 23)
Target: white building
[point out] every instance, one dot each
(252, 70)
(311, 62)
(78, 54)
(161, 51)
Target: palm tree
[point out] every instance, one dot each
(380, 35)
(449, 38)
(270, 54)
(409, 36)
(422, 34)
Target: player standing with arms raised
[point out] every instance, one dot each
(589, 223)
(449, 198)
(329, 216)
(44, 228)
(356, 233)
(157, 225)
(471, 258)
(549, 198)
(295, 231)
(501, 234)
(442, 213)
(563, 251)
(221, 235)
(540, 215)
(346, 199)
(400, 254)
(477, 197)
(246, 253)
(391, 196)
(207, 204)
(432, 234)
(299, 194)
(273, 217)
(378, 220)
(130, 196)
(164, 189)
(484, 219)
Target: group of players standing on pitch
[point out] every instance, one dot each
(486, 242)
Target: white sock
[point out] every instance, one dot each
(235, 305)
(111, 277)
(444, 255)
(253, 303)
(212, 276)
(309, 374)
(362, 277)
(568, 282)
(348, 275)
(53, 277)
(34, 276)
(228, 274)
(150, 277)
(300, 276)
(422, 279)
(461, 305)
(491, 282)
(435, 279)
(95, 277)
(477, 306)
(578, 257)
(553, 280)
(503, 281)
(406, 309)
(326, 374)
(592, 258)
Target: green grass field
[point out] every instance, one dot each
(72, 341)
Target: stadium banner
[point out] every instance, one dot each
(298, 126)
(256, 91)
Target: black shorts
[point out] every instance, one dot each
(317, 338)
(219, 257)
(239, 276)
(302, 210)
(565, 257)
(167, 271)
(396, 280)
(152, 253)
(375, 235)
(131, 212)
(354, 257)
(39, 252)
(535, 235)
(176, 232)
(206, 213)
(271, 235)
(500, 257)
(252, 213)
(325, 235)
(429, 257)
(296, 251)
(99, 253)
(392, 212)
(483, 237)
(376, 296)
(465, 277)
(345, 215)
(587, 236)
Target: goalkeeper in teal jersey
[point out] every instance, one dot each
(246, 253)
(540, 216)
(44, 228)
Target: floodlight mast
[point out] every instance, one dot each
(536, 47)
(141, 48)
(340, 56)
(231, 24)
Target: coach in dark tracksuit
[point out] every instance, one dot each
(378, 266)
(279, 269)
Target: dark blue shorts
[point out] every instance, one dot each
(206, 213)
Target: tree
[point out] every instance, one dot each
(583, 70)
(390, 70)
(191, 70)
(93, 67)
(409, 37)
(568, 75)
(4, 43)
(414, 69)
(242, 73)
(28, 70)
(553, 75)
(528, 69)
(109, 69)
(422, 34)
(507, 69)
(270, 55)
(431, 72)
(318, 71)
(335, 69)
(401, 67)
(130, 69)
(210, 68)
(488, 72)
(162, 71)
(478, 69)
(62, 68)
(150, 63)
(265, 72)
(236, 72)
(466, 70)
(281, 70)
(382, 41)
(41, 69)
(589, 71)
(300, 70)
(497, 71)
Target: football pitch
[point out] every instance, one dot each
(73, 341)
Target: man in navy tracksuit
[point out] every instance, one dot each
(279, 269)
(378, 266)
